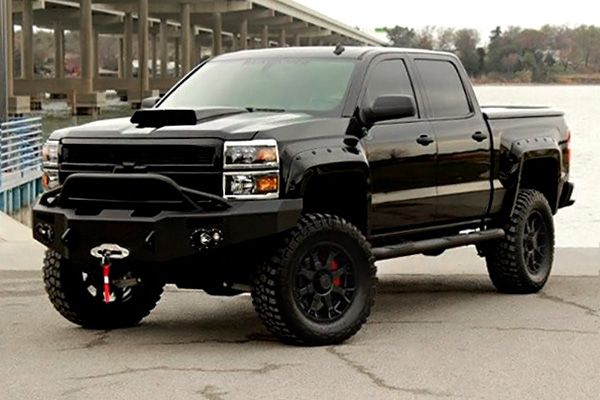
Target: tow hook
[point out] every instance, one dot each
(105, 253)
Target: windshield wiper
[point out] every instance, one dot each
(258, 109)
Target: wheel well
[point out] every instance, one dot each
(542, 175)
(342, 194)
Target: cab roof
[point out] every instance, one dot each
(350, 52)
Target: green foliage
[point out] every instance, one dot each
(536, 55)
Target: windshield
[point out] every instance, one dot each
(267, 84)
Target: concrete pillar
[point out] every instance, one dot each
(27, 42)
(265, 37)
(282, 42)
(297, 40)
(244, 34)
(164, 53)
(96, 50)
(59, 50)
(186, 36)
(128, 41)
(154, 56)
(143, 46)
(85, 49)
(310, 41)
(198, 47)
(120, 63)
(10, 60)
(234, 42)
(177, 58)
(217, 34)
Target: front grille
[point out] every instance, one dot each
(196, 167)
(119, 154)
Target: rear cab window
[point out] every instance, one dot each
(443, 88)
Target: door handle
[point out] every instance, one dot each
(479, 136)
(425, 139)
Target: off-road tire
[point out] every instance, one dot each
(71, 299)
(273, 288)
(507, 259)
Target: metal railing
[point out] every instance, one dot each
(20, 162)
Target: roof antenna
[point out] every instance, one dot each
(339, 49)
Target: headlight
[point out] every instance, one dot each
(50, 164)
(251, 170)
(251, 154)
(50, 154)
(251, 185)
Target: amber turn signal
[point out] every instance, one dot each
(267, 184)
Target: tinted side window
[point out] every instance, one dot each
(389, 77)
(444, 88)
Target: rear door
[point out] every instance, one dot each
(463, 141)
(402, 169)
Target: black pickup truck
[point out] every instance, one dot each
(288, 173)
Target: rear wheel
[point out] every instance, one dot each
(522, 261)
(76, 293)
(319, 287)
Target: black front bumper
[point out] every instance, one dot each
(62, 223)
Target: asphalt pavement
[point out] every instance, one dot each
(438, 330)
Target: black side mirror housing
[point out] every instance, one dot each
(150, 102)
(389, 107)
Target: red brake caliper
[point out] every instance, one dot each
(106, 278)
(334, 267)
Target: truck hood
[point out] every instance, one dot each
(237, 126)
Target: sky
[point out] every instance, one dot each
(483, 16)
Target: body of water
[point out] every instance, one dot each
(577, 226)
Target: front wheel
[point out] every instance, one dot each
(521, 262)
(76, 293)
(319, 287)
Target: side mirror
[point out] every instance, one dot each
(385, 108)
(150, 102)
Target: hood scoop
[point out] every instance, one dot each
(158, 117)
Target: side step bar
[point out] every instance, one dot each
(436, 245)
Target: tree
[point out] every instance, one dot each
(465, 44)
(445, 39)
(425, 38)
(401, 36)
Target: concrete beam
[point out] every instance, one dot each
(173, 7)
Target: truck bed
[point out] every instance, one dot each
(511, 112)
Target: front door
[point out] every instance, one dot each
(401, 154)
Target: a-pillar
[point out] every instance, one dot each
(186, 39)
(217, 34)
(17, 105)
(244, 34)
(128, 41)
(265, 37)
(87, 102)
(164, 48)
(282, 42)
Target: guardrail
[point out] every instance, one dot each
(20, 163)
